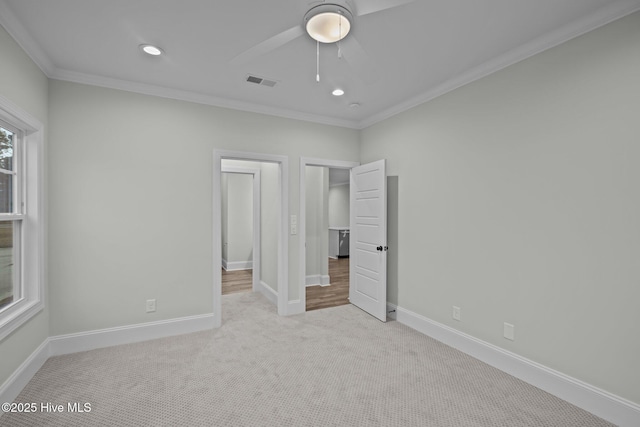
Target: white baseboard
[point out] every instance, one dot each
(12, 387)
(269, 293)
(237, 265)
(592, 399)
(295, 307)
(83, 341)
(317, 279)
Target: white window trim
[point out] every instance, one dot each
(33, 213)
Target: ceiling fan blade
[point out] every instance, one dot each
(268, 45)
(358, 59)
(365, 7)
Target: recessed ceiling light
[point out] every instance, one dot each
(151, 49)
(337, 92)
(354, 105)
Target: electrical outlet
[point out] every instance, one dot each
(509, 331)
(151, 305)
(456, 313)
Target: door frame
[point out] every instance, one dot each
(255, 180)
(283, 241)
(302, 231)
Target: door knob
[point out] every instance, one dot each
(379, 248)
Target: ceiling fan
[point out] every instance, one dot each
(329, 22)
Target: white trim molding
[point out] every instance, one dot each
(296, 307)
(586, 396)
(317, 280)
(268, 292)
(33, 251)
(90, 340)
(13, 385)
(609, 13)
(236, 265)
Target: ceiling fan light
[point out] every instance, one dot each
(328, 23)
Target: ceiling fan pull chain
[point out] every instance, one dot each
(317, 61)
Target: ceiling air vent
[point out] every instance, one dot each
(260, 81)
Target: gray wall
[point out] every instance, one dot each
(317, 221)
(237, 217)
(269, 222)
(518, 202)
(339, 205)
(138, 224)
(22, 82)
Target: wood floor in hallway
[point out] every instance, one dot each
(317, 296)
(236, 281)
(335, 294)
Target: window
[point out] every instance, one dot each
(10, 215)
(21, 218)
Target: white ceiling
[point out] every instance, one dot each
(419, 50)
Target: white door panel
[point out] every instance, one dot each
(368, 287)
(368, 234)
(367, 181)
(368, 239)
(368, 261)
(368, 207)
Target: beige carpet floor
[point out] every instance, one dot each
(332, 367)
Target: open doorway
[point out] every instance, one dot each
(325, 225)
(240, 231)
(268, 260)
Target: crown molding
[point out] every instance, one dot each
(582, 26)
(198, 98)
(16, 30)
(22, 37)
(603, 16)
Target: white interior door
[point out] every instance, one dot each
(368, 239)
